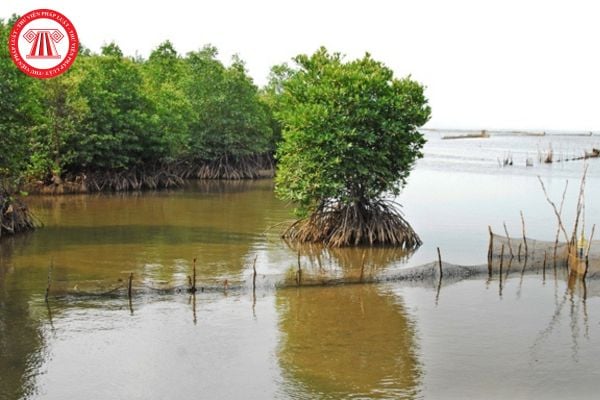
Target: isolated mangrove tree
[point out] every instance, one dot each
(350, 140)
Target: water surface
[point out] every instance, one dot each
(522, 336)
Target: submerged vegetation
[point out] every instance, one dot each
(349, 139)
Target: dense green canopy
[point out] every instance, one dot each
(113, 115)
(349, 137)
(19, 112)
(349, 129)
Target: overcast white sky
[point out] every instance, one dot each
(486, 64)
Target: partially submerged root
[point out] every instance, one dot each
(378, 223)
(15, 217)
(131, 180)
(115, 181)
(160, 176)
(249, 167)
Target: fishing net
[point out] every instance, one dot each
(532, 254)
(318, 266)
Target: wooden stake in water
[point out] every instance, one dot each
(194, 315)
(299, 273)
(49, 280)
(500, 272)
(254, 273)
(587, 252)
(501, 259)
(562, 203)
(193, 289)
(524, 235)
(544, 266)
(512, 255)
(129, 284)
(491, 247)
(490, 251)
(440, 262)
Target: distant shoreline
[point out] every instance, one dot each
(509, 132)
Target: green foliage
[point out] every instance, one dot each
(111, 113)
(19, 112)
(229, 118)
(164, 76)
(349, 131)
(117, 130)
(271, 96)
(65, 110)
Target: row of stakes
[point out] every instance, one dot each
(192, 279)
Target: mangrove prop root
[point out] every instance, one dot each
(378, 223)
(160, 176)
(15, 217)
(225, 167)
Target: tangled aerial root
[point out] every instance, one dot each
(160, 176)
(376, 223)
(15, 217)
(248, 167)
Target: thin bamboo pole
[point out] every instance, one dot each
(508, 239)
(524, 235)
(562, 203)
(587, 252)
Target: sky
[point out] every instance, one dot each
(486, 64)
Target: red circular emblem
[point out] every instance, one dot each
(43, 43)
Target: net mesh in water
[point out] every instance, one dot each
(534, 254)
(323, 266)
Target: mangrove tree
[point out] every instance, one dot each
(350, 140)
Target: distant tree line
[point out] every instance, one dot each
(117, 122)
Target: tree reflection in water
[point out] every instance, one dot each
(21, 338)
(319, 264)
(344, 341)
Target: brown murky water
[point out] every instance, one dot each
(524, 336)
